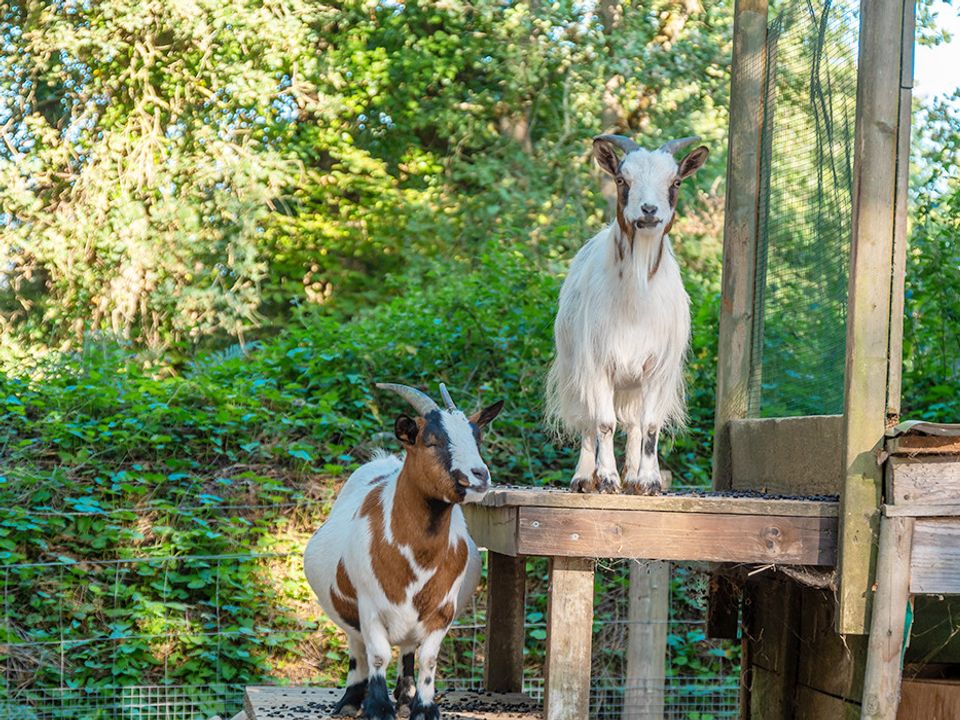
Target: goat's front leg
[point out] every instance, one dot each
(583, 478)
(406, 684)
(356, 691)
(642, 471)
(608, 479)
(423, 707)
(377, 705)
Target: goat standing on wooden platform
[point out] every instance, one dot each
(393, 564)
(623, 324)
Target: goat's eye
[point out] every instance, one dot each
(620, 180)
(676, 183)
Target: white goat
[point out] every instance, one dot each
(623, 323)
(393, 564)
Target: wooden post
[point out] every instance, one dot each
(900, 223)
(506, 592)
(875, 184)
(569, 639)
(739, 257)
(648, 613)
(740, 225)
(881, 689)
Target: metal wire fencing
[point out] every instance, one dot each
(806, 189)
(179, 636)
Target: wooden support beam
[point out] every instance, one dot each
(647, 618)
(881, 690)
(677, 536)
(936, 556)
(740, 226)
(875, 183)
(569, 639)
(648, 612)
(506, 593)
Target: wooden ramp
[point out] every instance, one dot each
(310, 703)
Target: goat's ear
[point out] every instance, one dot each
(693, 161)
(485, 417)
(605, 156)
(406, 429)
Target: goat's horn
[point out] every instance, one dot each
(420, 401)
(624, 143)
(447, 400)
(675, 146)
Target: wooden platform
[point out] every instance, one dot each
(674, 526)
(310, 703)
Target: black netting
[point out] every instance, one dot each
(805, 209)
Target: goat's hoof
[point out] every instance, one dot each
(352, 700)
(583, 484)
(424, 712)
(643, 487)
(610, 485)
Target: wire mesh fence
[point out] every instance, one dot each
(806, 190)
(166, 637)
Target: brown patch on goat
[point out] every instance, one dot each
(656, 265)
(626, 231)
(433, 612)
(389, 566)
(344, 597)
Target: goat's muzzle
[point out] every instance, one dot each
(646, 222)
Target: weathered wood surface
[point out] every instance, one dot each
(923, 481)
(677, 536)
(915, 510)
(881, 683)
(935, 564)
(915, 445)
(870, 295)
(648, 612)
(566, 693)
(310, 703)
(506, 593)
(895, 367)
(740, 227)
(815, 705)
(829, 663)
(797, 455)
(930, 700)
(494, 528)
(668, 502)
(771, 618)
(647, 619)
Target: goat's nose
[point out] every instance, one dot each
(648, 209)
(481, 474)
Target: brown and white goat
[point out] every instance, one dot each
(623, 322)
(393, 564)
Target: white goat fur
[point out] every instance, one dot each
(346, 540)
(622, 332)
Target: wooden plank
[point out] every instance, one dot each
(918, 510)
(829, 662)
(771, 630)
(881, 681)
(677, 536)
(935, 568)
(506, 592)
(494, 528)
(566, 693)
(926, 481)
(895, 368)
(669, 502)
(869, 303)
(930, 700)
(774, 454)
(740, 227)
(815, 705)
(311, 703)
(913, 445)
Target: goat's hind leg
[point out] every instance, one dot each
(642, 471)
(423, 707)
(608, 479)
(406, 683)
(356, 690)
